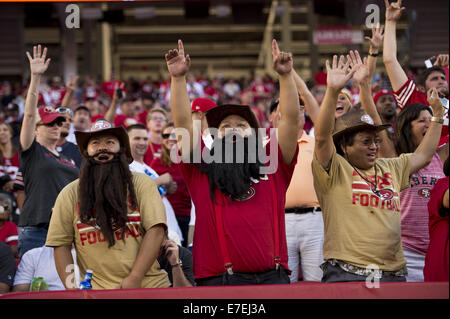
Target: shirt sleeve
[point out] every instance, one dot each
(402, 166)
(61, 231)
(404, 94)
(323, 178)
(26, 269)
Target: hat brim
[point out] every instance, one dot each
(358, 128)
(51, 118)
(216, 115)
(119, 132)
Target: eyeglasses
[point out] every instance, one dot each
(167, 135)
(158, 118)
(58, 123)
(64, 110)
(369, 141)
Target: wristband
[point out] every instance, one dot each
(436, 119)
(179, 263)
(374, 54)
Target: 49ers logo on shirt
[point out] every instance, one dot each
(250, 194)
(424, 192)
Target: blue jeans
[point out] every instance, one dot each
(269, 277)
(31, 237)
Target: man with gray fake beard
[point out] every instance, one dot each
(115, 218)
(239, 196)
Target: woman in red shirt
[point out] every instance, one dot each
(181, 199)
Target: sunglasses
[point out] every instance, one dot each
(64, 110)
(58, 123)
(167, 135)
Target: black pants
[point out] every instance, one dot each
(269, 277)
(183, 222)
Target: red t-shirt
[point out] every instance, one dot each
(108, 87)
(436, 260)
(149, 155)
(10, 166)
(9, 234)
(409, 94)
(180, 200)
(248, 225)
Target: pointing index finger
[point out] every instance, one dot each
(180, 47)
(275, 49)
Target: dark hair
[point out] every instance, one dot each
(345, 140)
(273, 106)
(136, 127)
(447, 167)
(403, 139)
(421, 78)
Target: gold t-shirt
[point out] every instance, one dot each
(110, 265)
(361, 228)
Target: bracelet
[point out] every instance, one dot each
(436, 119)
(179, 263)
(374, 54)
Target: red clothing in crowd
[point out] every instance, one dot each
(10, 166)
(180, 200)
(153, 152)
(436, 260)
(321, 78)
(248, 224)
(108, 87)
(125, 121)
(9, 234)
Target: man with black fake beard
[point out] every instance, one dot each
(238, 187)
(115, 218)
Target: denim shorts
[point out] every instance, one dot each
(31, 237)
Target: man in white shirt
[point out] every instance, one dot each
(166, 185)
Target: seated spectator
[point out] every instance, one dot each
(437, 258)
(40, 262)
(9, 157)
(7, 268)
(8, 230)
(177, 262)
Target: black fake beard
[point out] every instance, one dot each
(103, 194)
(232, 175)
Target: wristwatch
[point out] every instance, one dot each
(436, 119)
(179, 263)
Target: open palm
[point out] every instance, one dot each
(38, 64)
(177, 63)
(338, 74)
(360, 67)
(393, 10)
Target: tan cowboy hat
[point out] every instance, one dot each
(355, 120)
(104, 127)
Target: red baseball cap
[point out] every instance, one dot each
(202, 105)
(380, 94)
(48, 114)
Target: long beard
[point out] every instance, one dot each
(235, 167)
(103, 192)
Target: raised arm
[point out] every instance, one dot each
(363, 78)
(71, 86)
(112, 110)
(396, 74)
(426, 149)
(375, 44)
(289, 105)
(337, 76)
(38, 65)
(178, 65)
(311, 105)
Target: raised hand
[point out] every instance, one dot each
(38, 64)
(339, 73)
(377, 38)
(282, 61)
(178, 64)
(435, 102)
(359, 67)
(442, 60)
(393, 10)
(72, 84)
